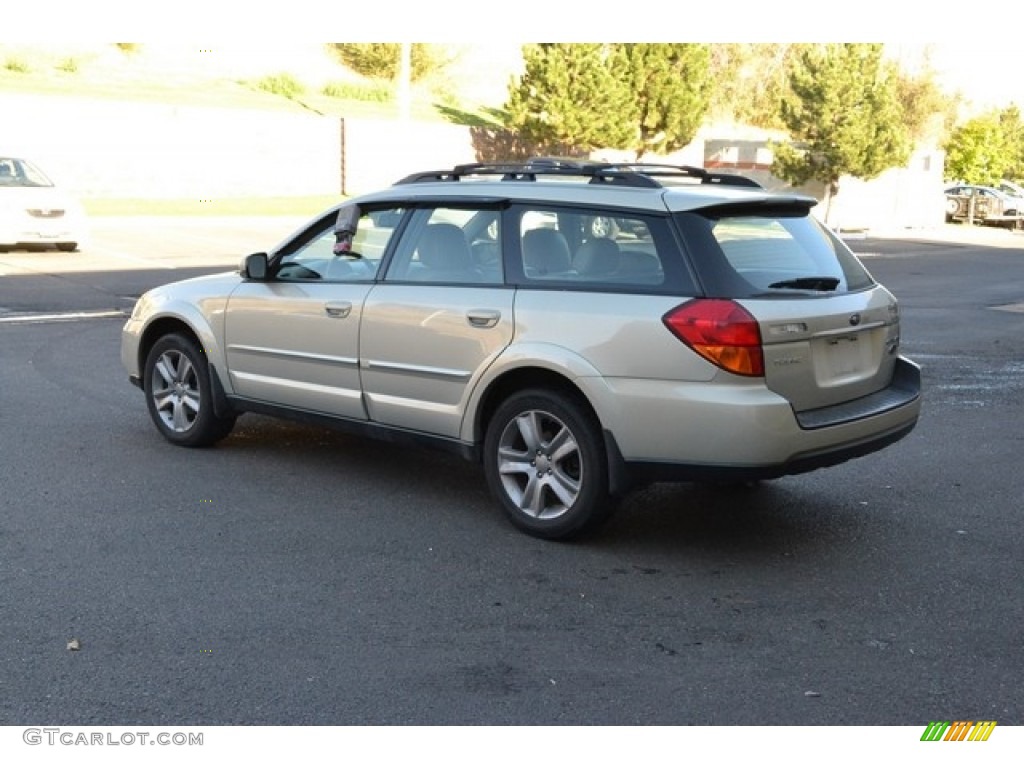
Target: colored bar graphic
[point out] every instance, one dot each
(958, 730)
(982, 730)
(935, 730)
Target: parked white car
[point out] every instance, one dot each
(35, 212)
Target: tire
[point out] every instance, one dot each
(176, 380)
(952, 206)
(545, 462)
(67, 247)
(602, 226)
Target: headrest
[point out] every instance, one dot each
(545, 251)
(597, 258)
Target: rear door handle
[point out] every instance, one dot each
(338, 308)
(483, 318)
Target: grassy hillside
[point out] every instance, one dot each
(292, 77)
(301, 78)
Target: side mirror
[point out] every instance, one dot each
(254, 266)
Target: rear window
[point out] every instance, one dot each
(777, 254)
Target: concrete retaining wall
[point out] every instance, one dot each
(380, 152)
(116, 149)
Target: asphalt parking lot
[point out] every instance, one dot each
(297, 576)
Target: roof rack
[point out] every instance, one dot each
(619, 174)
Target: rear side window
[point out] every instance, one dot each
(596, 249)
(764, 255)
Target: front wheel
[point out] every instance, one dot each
(179, 396)
(545, 461)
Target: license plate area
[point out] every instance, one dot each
(844, 358)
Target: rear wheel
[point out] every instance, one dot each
(179, 395)
(545, 461)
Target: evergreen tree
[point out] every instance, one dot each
(569, 98)
(843, 115)
(381, 60)
(671, 86)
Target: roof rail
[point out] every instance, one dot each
(619, 174)
(663, 170)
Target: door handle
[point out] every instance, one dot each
(483, 318)
(338, 308)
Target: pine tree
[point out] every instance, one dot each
(843, 115)
(572, 98)
(672, 87)
(382, 59)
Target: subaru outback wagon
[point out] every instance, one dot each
(722, 333)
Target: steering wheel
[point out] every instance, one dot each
(298, 271)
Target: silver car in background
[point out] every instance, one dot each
(717, 332)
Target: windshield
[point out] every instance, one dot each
(15, 172)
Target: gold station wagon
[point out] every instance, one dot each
(716, 332)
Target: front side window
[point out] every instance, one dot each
(323, 257)
(450, 245)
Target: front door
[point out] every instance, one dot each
(293, 340)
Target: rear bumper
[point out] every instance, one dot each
(639, 472)
(903, 390)
(749, 433)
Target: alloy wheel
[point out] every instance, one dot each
(176, 393)
(539, 464)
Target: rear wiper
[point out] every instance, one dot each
(809, 283)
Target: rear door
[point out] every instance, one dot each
(440, 316)
(830, 333)
(830, 350)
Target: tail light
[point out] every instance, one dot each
(720, 331)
